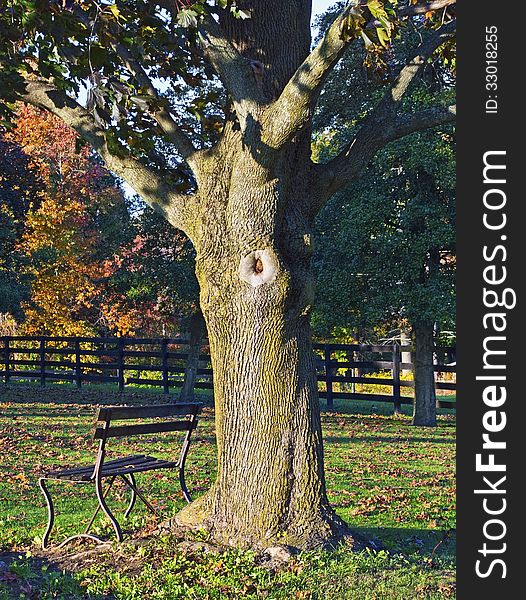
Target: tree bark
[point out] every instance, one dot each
(424, 413)
(256, 294)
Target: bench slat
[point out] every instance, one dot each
(161, 464)
(121, 466)
(118, 413)
(124, 430)
(136, 458)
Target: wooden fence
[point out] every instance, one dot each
(359, 372)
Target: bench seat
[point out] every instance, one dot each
(119, 466)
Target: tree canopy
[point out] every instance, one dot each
(153, 74)
(386, 244)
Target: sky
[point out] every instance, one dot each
(320, 6)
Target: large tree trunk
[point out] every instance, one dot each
(256, 292)
(424, 413)
(270, 483)
(252, 235)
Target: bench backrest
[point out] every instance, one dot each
(106, 415)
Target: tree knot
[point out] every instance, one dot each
(258, 267)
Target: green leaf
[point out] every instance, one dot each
(187, 18)
(376, 7)
(383, 37)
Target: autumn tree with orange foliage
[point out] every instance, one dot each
(81, 218)
(93, 266)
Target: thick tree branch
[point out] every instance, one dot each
(350, 163)
(234, 70)
(383, 124)
(413, 67)
(293, 109)
(176, 208)
(406, 124)
(161, 113)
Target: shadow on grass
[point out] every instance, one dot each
(36, 577)
(386, 439)
(427, 542)
(24, 393)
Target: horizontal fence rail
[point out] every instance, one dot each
(346, 371)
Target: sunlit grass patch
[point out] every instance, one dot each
(392, 482)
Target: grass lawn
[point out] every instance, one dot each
(392, 482)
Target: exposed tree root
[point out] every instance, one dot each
(323, 530)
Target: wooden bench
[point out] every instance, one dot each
(125, 467)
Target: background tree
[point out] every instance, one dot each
(80, 220)
(248, 205)
(386, 244)
(20, 191)
(78, 258)
(389, 256)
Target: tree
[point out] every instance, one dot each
(248, 205)
(20, 190)
(389, 258)
(386, 248)
(69, 233)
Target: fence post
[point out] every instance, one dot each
(351, 357)
(164, 359)
(78, 365)
(7, 355)
(196, 328)
(396, 379)
(120, 363)
(328, 377)
(42, 362)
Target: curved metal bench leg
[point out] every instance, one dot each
(83, 536)
(50, 509)
(182, 482)
(133, 488)
(182, 458)
(106, 509)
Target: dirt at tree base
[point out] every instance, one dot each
(126, 557)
